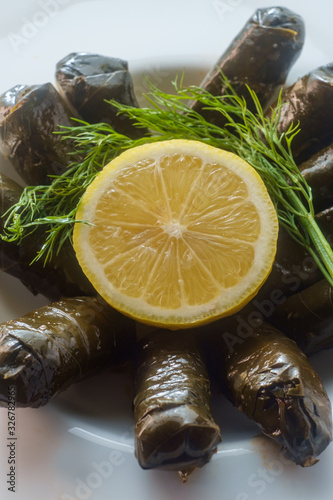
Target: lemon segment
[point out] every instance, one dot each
(180, 233)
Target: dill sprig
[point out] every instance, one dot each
(251, 135)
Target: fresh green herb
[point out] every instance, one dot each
(251, 135)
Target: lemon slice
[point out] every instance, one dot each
(180, 233)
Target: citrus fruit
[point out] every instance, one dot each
(180, 233)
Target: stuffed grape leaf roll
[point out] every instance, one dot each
(62, 276)
(318, 173)
(88, 80)
(47, 350)
(294, 269)
(29, 116)
(325, 222)
(174, 427)
(309, 101)
(307, 317)
(260, 56)
(269, 379)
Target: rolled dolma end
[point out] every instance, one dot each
(88, 80)
(29, 116)
(260, 56)
(174, 427)
(268, 378)
(46, 351)
(309, 101)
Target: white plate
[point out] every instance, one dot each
(80, 446)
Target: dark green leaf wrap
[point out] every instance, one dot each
(174, 428)
(60, 277)
(293, 268)
(318, 172)
(47, 350)
(325, 222)
(268, 378)
(307, 317)
(260, 56)
(29, 116)
(309, 101)
(88, 80)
